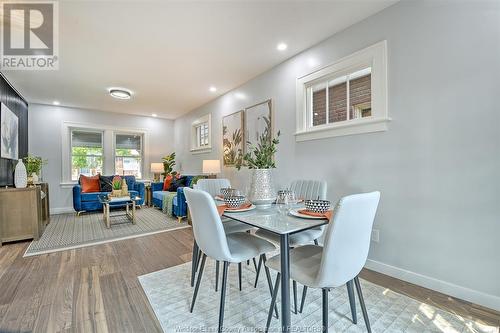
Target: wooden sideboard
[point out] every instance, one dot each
(23, 213)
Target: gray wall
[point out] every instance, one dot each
(45, 140)
(437, 165)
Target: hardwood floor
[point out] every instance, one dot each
(95, 289)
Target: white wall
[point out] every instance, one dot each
(45, 126)
(437, 166)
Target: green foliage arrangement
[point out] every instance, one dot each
(261, 156)
(117, 183)
(168, 165)
(34, 164)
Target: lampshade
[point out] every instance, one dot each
(211, 166)
(156, 167)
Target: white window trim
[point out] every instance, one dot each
(205, 149)
(374, 56)
(107, 145)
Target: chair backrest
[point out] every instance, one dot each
(207, 225)
(309, 189)
(347, 239)
(212, 186)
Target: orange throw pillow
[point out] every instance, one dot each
(167, 182)
(90, 184)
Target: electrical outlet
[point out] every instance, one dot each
(375, 235)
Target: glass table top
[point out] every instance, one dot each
(270, 219)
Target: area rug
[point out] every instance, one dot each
(170, 293)
(68, 231)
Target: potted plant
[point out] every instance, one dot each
(117, 186)
(33, 167)
(168, 165)
(260, 159)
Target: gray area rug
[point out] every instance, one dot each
(68, 231)
(170, 293)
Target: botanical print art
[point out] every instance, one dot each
(232, 138)
(9, 133)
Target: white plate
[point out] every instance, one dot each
(295, 212)
(239, 210)
(218, 198)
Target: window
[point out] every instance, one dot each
(86, 153)
(200, 134)
(347, 97)
(128, 154)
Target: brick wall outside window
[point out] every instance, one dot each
(359, 93)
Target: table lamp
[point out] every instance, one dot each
(156, 169)
(211, 167)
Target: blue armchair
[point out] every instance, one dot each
(87, 202)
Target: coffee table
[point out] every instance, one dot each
(111, 202)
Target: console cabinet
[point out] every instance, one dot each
(21, 214)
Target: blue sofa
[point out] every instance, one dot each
(88, 202)
(179, 204)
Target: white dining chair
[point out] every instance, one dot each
(340, 260)
(212, 187)
(215, 243)
(303, 189)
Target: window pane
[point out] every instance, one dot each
(319, 104)
(337, 100)
(360, 94)
(128, 141)
(125, 166)
(85, 165)
(86, 139)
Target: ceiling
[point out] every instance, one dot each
(168, 53)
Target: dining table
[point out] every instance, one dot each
(284, 225)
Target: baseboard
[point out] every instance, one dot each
(467, 294)
(61, 210)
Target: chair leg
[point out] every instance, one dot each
(239, 275)
(223, 295)
(258, 271)
(254, 263)
(216, 275)
(200, 274)
(325, 309)
(270, 284)
(352, 301)
(194, 263)
(304, 293)
(362, 303)
(316, 242)
(273, 302)
(294, 284)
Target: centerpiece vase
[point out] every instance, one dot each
(262, 192)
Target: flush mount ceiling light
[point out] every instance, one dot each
(212, 89)
(281, 47)
(120, 93)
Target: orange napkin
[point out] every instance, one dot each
(327, 215)
(222, 208)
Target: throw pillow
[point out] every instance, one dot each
(90, 184)
(167, 182)
(176, 183)
(106, 183)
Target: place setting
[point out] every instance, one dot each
(234, 201)
(289, 204)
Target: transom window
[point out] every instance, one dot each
(347, 97)
(128, 154)
(86, 153)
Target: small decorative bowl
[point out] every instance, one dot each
(317, 206)
(234, 201)
(226, 191)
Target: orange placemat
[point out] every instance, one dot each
(327, 215)
(222, 208)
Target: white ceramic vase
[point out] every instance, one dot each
(262, 192)
(20, 175)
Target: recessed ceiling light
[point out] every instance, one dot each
(212, 89)
(154, 115)
(56, 103)
(239, 95)
(120, 93)
(281, 47)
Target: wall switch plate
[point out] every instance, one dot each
(375, 235)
